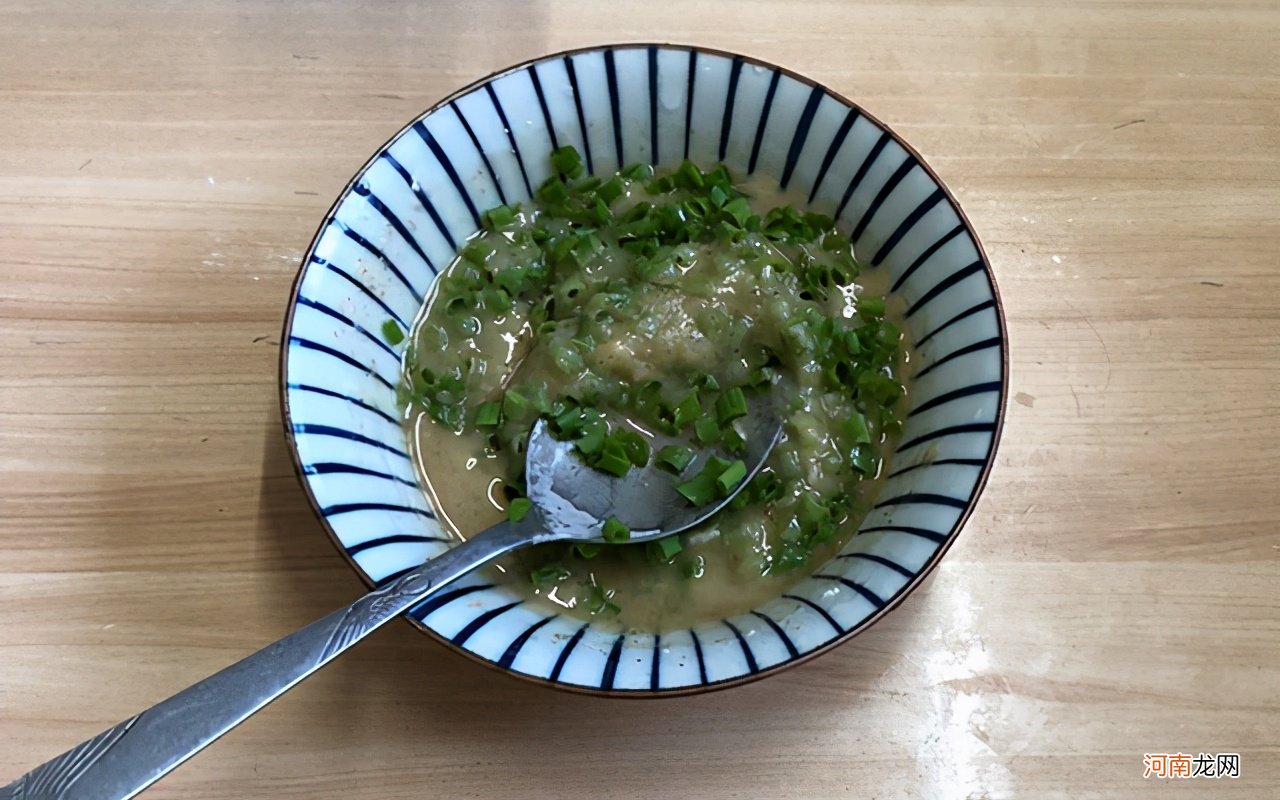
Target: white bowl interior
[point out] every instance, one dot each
(420, 197)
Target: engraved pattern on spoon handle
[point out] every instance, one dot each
(123, 760)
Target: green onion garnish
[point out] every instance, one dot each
(732, 476)
(675, 458)
(664, 550)
(567, 162)
(731, 405)
(856, 428)
(687, 410)
(707, 430)
(549, 575)
(519, 509)
(615, 531)
(499, 216)
(488, 414)
(392, 333)
(613, 460)
(702, 488)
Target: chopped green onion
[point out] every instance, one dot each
(689, 176)
(610, 191)
(591, 442)
(635, 445)
(733, 441)
(664, 550)
(499, 216)
(488, 414)
(519, 509)
(865, 460)
(615, 531)
(392, 333)
(706, 430)
(732, 476)
(702, 488)
(871, 306)
(856, 428)
(516, 407)
(810, 512)
(613, 461)
(738, 209)
(693, 568)
(478, 251)
(553, 192)
(566, 161)
(599, 601)
(675, 458)
(496, 300)
(549, 575)
(731, 405)
(637, 172)
(687, 410)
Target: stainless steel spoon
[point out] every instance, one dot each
(570, 503)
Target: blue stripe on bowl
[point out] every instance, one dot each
(421, 196)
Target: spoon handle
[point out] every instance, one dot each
(122, 761)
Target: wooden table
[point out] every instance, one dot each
(1117, 592)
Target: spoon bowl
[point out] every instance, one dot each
(572, 501)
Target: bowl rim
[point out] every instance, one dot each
(683, 691)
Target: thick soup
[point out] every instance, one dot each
(640, 305)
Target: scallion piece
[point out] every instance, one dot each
(519, 509)
(732, 476)
(599, 602)
(488, 414)
(553, 192)
(664, 550)
(498, 217)
(613, 459)
(392, 333)
(591, 442)
(706, 430)
(693, 568)
(687, 410)
(856, 428)
(689, 176)
(548, 575)
(733, 441)
(864, 460)
(871, 306)
(731, 405)
(566, 161)
(516, 407)
(675, 458)
(496, 300)
(702, 488)
(615, 531)
(738, 209)
(610, 191)
(635, 446)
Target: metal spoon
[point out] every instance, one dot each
(570, 503)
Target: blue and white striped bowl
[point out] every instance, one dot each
(400, 222)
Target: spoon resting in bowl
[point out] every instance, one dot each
(569, 501)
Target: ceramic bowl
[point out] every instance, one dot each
(403, 216)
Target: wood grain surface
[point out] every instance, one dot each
(164, 165)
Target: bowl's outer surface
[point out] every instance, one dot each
(400, 221)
